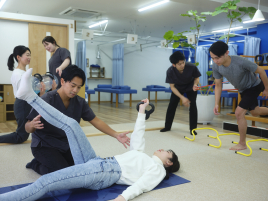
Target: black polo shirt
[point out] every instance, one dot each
(51, 136)
(183, 81)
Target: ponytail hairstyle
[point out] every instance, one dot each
(173, 168)
(50, 39)
(18, 51)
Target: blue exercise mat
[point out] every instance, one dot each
(100, 195)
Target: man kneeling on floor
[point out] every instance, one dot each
(50, 145)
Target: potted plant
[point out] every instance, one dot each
(234, 14)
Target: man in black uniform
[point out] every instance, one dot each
(50, 145)
(183, 77)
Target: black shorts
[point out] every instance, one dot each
(249, 97)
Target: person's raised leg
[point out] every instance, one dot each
(242, 127)
(171, 110)
(79, 144)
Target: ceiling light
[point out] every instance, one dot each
(2, 3)
(99, 23)
(222, 30)
(153, 5)
(258, 15)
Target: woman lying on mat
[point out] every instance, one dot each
(134, 168)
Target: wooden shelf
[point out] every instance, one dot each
(101, 78)
(9, 111)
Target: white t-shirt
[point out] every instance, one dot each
(15, 79)
(139, 170)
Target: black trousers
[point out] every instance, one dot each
(21, 111)
(50, 159)
(173, 103)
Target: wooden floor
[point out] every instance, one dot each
(123, 114)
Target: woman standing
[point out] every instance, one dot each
(60, 59)
(22, 55)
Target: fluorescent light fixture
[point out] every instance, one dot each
(2, 3)
(78, 39)
(222, 30)
(153, 5)
(97, 24)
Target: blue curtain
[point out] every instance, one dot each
(118, 69)
(80, 59)
(202, 58)
(252, 46)
(232, 51)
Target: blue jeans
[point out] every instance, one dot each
(89, 171)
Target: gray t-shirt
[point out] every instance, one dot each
(56, 60)
(239, 73)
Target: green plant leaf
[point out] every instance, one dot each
(176, 38)
(191, 46)
(232, 7)
(169, 35)
(190, 12)
(196, 64)
(192, 28)
(218, 12)
(206, 13)
(185, 15)
(176, 44)
(243, 9)
(239, 19)
(199, 25)
(231, 35)
(222, 37)
(209, 73)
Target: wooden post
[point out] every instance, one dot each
(111, 98)
(234, 104)
(222, 102)
(130, 100)
(156, 97)
(149, 95)
(98, 97)
(116, 100)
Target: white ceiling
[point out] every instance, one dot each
(123, 15)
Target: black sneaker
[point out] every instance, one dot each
(164, 130)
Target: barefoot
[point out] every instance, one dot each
(238, 147)
(25, 91)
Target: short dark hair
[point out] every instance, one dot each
(218, 48)
(50, 39)
(17, 51)
(173, 168)
(176, 57)
(73, 71)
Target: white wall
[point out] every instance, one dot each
(140, 69)
(10, 37)
(147, 68)
(16, 33)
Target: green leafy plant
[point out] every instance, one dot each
(177, 39)
(234, 13)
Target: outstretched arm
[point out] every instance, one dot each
(103, 127)
(137, 141)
